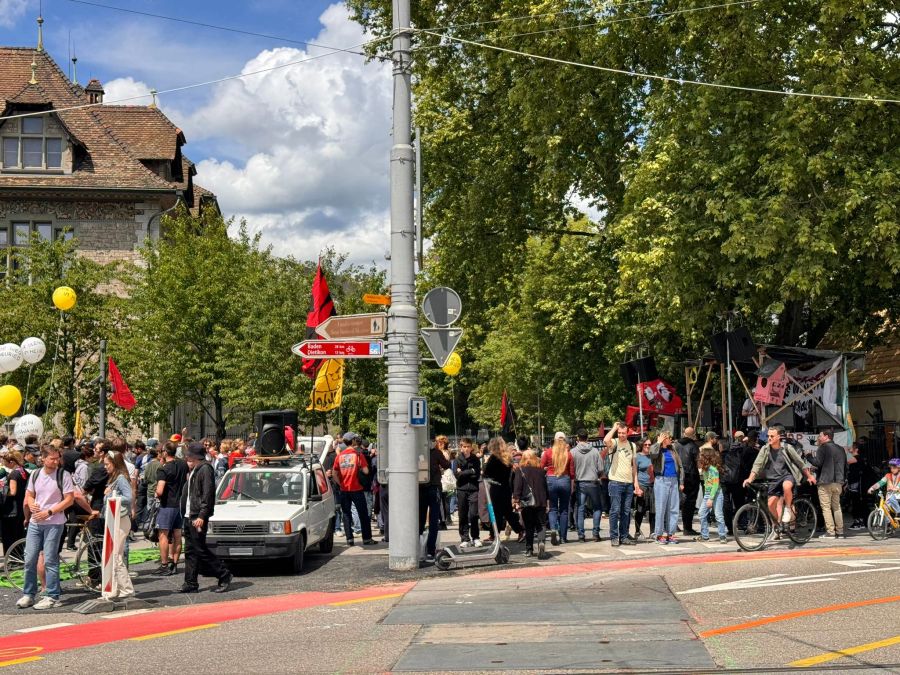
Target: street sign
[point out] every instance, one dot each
(418, 411)
(441, 342)
(372, 299)
(353, 326)
(442, 306)
(339, 349)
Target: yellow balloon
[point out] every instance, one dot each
(10, 400)
(64, 298)
(454, 363)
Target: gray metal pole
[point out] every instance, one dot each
(102, 420)
(728, 372)
(402, 343)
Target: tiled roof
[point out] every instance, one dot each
(144, 130)
(109, 162)
(882, 366)
(202, 199)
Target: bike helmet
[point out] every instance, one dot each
(895, 461)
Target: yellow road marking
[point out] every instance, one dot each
(369, 599)
(153, 636)
(15, 662)
(850, 651)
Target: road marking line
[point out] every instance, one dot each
(850, 651)
(37, 628)
(189, 629)
(15, 662)
(119, 615)
(749, 584)
(369, 599)
(797, 615)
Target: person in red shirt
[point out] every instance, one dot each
(345, 470)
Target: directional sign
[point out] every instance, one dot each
(372, 299)
(442, 306)
(418, 411)
(353, 326)
(339, 349)
(441, 342)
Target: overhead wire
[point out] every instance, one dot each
(652, 76)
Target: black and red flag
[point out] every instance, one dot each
(119, 392)
(507, 417)
(322, 307)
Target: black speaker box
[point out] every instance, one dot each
(270, 424)
(719, 342)
(740, 342)
(637, 371)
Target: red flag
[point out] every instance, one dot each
(119, 392)
(507, 417)
(322, 307)
(659, 397)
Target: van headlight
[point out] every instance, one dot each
(280, 527)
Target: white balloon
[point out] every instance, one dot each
(27, 425)
(10, 356)
(33, 349)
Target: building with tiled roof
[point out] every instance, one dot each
(71, 167)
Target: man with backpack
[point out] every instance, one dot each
(623, 483)
(49, 493)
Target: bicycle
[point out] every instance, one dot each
(85, 568)
(881, 522)
(754, 525)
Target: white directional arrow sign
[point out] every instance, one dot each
(785, 580)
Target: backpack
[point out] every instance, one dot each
(731, 465)
(151, 532)
(59, 484)
(365, 479)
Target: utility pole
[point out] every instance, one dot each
(102, 420)
(403, 325)
(728, 374)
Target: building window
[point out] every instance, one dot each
(18, 232)
(32, 149)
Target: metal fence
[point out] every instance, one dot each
(878, 442)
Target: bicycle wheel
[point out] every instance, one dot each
(805, 521)
(878, 525)
(751, 527)
(15, 564)
(86, 568)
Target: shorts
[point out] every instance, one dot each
(169, 519)
(777, 489)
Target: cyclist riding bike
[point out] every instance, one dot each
(784, 467)
(891, 481)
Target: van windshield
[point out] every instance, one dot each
(260, 486)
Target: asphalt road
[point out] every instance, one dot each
(691, 607)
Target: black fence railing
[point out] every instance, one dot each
(878, 442)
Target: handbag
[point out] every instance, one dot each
(151, 531)
(448, 481)
(527, 493)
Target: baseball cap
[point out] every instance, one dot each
(559, 436)
(152, 442)
(175, 438)
(739, 435)
(349, 437)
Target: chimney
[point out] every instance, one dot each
(94, 90)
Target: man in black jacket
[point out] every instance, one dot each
(468, 475)
(689, 452)
(198, 500)
(830, 461)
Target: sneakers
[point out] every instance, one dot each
(723, 540)
(369, 542)
(161, 571)
(429, 558)
(597, 537)
(529, 552)
(25, 602)
(628, 541)
(476, 543)
(224, 584)
(671, 539)
(466, 544)
(554, 537)
(542, 551)
(662, 539)
(48, 603)
(615, 542)
(170, 570)
(827, 536)
(581, 538)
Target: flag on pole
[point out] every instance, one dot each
(119, 392)
(322, 307)
(507, 417)
(79, 426)
(327, 391)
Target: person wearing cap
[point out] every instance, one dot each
(347, 464)
(198, 503)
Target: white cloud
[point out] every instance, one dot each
(123, 90)
(312, 142)
(11, 10)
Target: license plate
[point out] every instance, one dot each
(240, 551)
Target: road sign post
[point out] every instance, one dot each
(418, 411)
(339, 349)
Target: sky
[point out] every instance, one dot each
(300, 152)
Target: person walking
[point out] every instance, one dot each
(645, 504)
(830, 461)
(198, 503)
(689, 450)
(170, 480)
(587, 462)
(348, 463)
(710, 464)
(530, 499)
(120, 483)
(623, 483)
(497, 470)
(430, 499)
(468, 476)
(560, 469)
(49, 492)
(668, 485)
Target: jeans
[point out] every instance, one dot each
(44, 538)
(717, 508)
(560, 491)
(668, 499)
(348, 501)
(589, 488)
(620, 495)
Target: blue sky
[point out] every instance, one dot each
(300, 152)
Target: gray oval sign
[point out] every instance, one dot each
(442, 306)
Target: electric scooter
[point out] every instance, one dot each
(455, 555)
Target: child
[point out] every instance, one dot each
(892, 482)
(710, 463)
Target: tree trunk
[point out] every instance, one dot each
(219, 415)
(790, 324)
